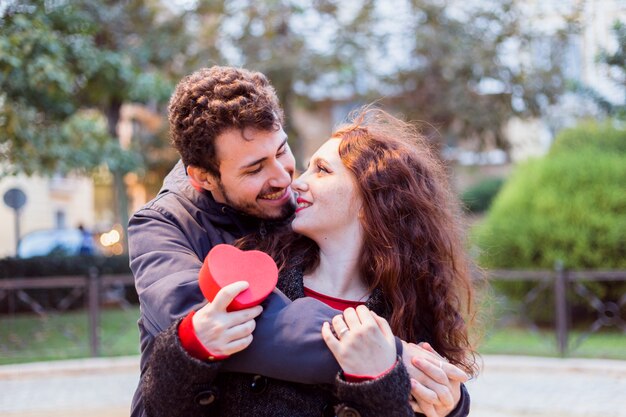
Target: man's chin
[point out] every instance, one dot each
(276, 213)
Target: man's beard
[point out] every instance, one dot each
(286, 211)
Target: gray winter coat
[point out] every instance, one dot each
(177, 385)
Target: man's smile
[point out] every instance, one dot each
(277, 195)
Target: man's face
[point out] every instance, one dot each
(256, 169)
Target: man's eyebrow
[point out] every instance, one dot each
(258, 161)
(253, 163)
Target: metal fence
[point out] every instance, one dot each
(95, 288)
(562, 284)
(565, 286)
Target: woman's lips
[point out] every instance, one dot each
(302, 204)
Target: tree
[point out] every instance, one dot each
(616, 61)
(474, 65)
(278, 38)
(615, 64)
(76, 62)
(66, 68)
(447, 63)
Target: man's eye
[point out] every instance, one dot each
(255, 171)
(282, 151)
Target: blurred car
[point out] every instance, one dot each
(57, 242)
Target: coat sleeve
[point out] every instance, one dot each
(388, 395)
(287, 341)
(176, 384)
(165, 267)
(384, 396)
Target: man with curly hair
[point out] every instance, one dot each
(233, 180)
(234, 113)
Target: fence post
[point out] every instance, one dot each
(560, 305)
(94, 310)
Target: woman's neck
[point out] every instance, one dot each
(338, 274)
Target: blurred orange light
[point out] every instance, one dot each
(110, 238)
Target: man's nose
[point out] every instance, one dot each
(281, 175)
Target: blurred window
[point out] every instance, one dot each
(59, 219)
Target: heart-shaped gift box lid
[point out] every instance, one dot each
(226, 264)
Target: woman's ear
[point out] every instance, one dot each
(202, 178)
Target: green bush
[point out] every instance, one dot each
(42, 266)
(568, 206)
(604, 136)
(478, 198)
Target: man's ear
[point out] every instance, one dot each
(202, 177)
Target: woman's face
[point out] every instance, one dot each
(328, 201)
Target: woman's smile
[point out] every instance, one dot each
(302, 204)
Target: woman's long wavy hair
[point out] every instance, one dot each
(413, 248)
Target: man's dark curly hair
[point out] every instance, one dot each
(213, 100)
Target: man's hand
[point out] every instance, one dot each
(435, 383)
(221, 332)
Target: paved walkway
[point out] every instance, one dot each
(509, 386)
(515, 386)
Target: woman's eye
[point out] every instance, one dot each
(322, 169)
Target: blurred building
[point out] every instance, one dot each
(51, 203)
(69, 201)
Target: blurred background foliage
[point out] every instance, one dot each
(567, 206)
(59, 58)
(478, 198)
(67, 66)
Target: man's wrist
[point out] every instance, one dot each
(190, 342)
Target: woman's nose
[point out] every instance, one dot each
(300, 184)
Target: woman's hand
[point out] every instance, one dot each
(435, 383)
(363, 342)
(222, 332)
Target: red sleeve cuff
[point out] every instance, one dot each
(190, 342)
(363, 378)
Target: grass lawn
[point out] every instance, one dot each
(516, 341)
(29, 338)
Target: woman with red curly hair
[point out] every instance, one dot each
(404, 243)
(377, 236)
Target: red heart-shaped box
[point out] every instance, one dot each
(226, 264)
